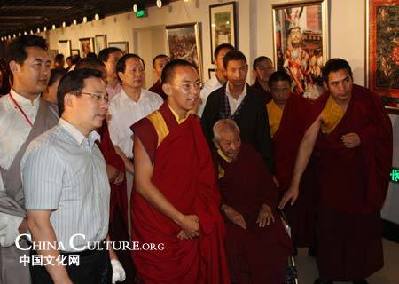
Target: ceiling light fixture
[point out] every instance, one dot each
(159, 3)
(44, 29)
(84, 20)
(135, 8)
(64, 24)
(96, 17)
(53, 27)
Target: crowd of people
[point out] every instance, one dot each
(192, 179)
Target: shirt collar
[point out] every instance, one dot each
(22, 101)
(240, 97)
(223, 156)
(77, 135)
(179, 121)
(127, 98)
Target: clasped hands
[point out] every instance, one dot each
(189, 225)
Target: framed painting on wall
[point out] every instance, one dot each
(101, 42)
(300, 39)
(382, 75)
(223, 25)
(184, 42)
(64, 47)
(86, 46)
(75, 52)
(122, 45)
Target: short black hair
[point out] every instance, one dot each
(87, 62)
(159, 56)
(168, 72)
(73, 81)
(59, 57)
(56, 74)
(104, 53)
(91, 55)
(222, 46)
(75, 59)
(335, 64)
(17, 49)
(121, 64)
(259, 59)
(279, 76)
(233, 55)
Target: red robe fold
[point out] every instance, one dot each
(184, 173)
(256, 255)
(118, 213)
(297, 116)
(352, 189)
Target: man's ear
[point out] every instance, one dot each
(14, 66)
(68, 100)
(167, 88)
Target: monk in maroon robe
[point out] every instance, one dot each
(256, 241)
(288, 118)
(352, 137)
(175, 202)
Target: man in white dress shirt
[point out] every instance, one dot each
(23, 116)
(129, 106)
(218, 79)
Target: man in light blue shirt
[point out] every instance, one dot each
(66, 186)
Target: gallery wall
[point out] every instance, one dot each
(145, 36)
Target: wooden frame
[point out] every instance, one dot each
(122, 45)
(382, 49)
(211, 71)
(86, 46)
(184, 41)
(100, 42)
(65, 47)
(223, 25)
(75, 52)
(300, 42)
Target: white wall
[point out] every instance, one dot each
(347, 31)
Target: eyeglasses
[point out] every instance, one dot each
(97, 97)
(187, 86)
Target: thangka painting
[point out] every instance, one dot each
(184, 42)
(383, 49)
(301, 43)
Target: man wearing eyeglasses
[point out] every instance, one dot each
(175, 201)
(66, 187)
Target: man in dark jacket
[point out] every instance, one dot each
(242, 103)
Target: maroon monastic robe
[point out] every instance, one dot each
(184, 173)
(157, 88)
(352, 188)
(118, 213)
(297, 116)
(256, 255)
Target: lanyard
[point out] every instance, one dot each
(21, 110)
